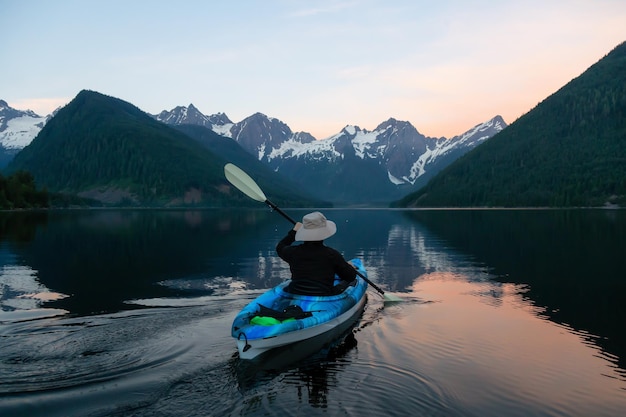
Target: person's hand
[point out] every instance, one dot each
(297, 226)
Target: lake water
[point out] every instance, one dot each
(128, 313)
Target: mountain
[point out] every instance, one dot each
(570, 150)
(353, 166)
(191, 115)
(17, 129)
(106, 149)
(230, 151)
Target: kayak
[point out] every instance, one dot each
(278, 318)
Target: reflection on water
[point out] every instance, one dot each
(128, 313)
(480, 351)
(100, 259)
(571, 261)
(309, 367)
(20, 289)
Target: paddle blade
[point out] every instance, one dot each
(390, 298)
(243, 182)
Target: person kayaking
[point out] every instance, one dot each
(313, 265)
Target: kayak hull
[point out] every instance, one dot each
(328, 313)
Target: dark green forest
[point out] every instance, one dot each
(102, 148)
(18, 191)
(569, 151)
(97, 141)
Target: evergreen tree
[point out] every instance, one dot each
(19, 191)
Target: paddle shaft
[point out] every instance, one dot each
(282, 213)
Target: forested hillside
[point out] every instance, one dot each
(570, 150)
(106, 149)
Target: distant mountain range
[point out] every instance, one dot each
(355, 166)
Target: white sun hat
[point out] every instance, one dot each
(315, 227)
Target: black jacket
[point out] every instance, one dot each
(313, 266)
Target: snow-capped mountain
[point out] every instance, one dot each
(378, 165)
(397, 145)
(18, 127)
(191, 115)
(445, 151)
(394, 150)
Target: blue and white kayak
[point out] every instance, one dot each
(257, 334)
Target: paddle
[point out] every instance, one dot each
(242, 181)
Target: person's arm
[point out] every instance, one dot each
(288, 239)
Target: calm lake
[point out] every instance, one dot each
(128, 313)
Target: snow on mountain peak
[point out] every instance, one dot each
(351, 130)
(488, 129)
(18, 127)
(363, 141)
(316, 150)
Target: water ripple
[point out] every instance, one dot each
(79, 364)
(71, 352)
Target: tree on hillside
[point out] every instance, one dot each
(19, 191)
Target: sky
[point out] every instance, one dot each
(318, 66)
